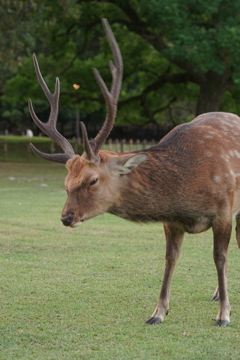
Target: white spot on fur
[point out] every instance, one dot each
(224, 128)
(216, 178)
(224, 156)
(237, 154)
(234, 153)
(208, 153)
(235, 122)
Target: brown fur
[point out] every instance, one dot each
(190, 181)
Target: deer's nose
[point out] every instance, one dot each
(68, 219)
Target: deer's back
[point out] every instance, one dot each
(191, 177)
(213, 136)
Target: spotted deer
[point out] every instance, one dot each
(190, 181)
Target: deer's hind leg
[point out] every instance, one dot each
(215, 295)
(174, 238)
(238, 229)
(222, 233)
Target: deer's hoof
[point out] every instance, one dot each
(221, 323)
(154, 320)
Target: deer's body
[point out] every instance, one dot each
(187, 178)
(190, 181)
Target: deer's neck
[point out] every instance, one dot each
(147, 192)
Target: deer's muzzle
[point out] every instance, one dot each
(68, 219)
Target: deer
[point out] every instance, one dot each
(189, 181)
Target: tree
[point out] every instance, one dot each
(201, 39)
(177, 54)
(18, 21)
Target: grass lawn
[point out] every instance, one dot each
(85, 293)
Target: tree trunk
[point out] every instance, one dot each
(212, 89)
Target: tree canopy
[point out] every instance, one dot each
(181, 57)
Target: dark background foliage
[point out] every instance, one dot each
(181, 58)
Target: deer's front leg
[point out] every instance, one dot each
(174, 238)
(222, 236)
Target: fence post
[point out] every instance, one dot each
(130, 144)
(110, 144)
(116, 145)
(144, 144)
(28, 152)
(123, 143)
(138, 145)
(5, 149)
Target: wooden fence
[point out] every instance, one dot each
(125, 146)
(21, 151)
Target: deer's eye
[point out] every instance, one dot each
(93, 182)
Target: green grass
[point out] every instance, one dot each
(85, 293)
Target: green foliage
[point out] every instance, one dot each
(17, 27)
(176, 54)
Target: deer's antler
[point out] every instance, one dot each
(111, 97)
(49, 128)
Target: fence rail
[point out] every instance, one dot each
(20, 151)
(125, 146)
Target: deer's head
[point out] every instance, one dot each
(95, 178)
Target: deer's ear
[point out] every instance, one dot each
(126, 164)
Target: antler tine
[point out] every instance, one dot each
(86, 144)
(116, 67)
(111, 98)
(41, 81)
(60, 158)
(49, 128)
